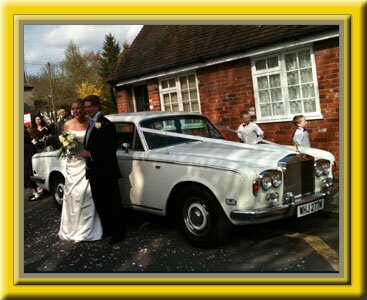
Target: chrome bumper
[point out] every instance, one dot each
(285, 210)
(273, 213)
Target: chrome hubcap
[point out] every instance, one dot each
(196, 217)
(59, 194)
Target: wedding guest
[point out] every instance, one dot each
(300, 137)
(249, 132)
(29, 151)
(42, 132)
(64, 116)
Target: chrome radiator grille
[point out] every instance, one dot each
(299, 177)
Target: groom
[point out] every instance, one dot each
(103, 170)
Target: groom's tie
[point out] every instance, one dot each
(91, 124)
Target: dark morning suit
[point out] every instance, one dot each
(103, 173)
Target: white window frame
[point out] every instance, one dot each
(281, 69)
(178, 90)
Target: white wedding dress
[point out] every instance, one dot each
(79, 218)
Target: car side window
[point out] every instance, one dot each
(127, 133)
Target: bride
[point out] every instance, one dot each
(79, 218)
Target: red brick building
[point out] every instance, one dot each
(273, 71)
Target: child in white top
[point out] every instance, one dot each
(300, 137)
(248, 132)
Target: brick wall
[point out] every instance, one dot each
(122, 100)
(153, 92)
(226, 89)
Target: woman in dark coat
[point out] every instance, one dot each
(29, 151)
(42, 133)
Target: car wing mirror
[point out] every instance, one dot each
(125, 147)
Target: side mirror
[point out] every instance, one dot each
(125, 147)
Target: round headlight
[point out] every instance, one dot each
(319, 171)
(276, 179)
(266, 182)
(326, 168)
(322, 167)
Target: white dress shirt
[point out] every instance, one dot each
(301, 137)
(250, 133)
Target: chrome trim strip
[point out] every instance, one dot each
(147, 207)
(121, 157)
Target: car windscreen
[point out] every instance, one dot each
(190, 125)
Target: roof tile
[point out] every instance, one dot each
(161, 47)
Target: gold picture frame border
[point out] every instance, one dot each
(351, 284)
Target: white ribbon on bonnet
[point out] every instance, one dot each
(273, 147)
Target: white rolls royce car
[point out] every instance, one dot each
(178, 164)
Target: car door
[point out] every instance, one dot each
(130, 155)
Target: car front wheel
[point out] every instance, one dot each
(201, 218)
(58, 191)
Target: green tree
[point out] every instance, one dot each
(125, 47)
(107, 62)
(74, 65)
(109, 55)
(92, 66)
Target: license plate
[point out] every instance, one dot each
(310, 208)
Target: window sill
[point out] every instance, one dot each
(288, 119)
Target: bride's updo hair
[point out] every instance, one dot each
(80, 102)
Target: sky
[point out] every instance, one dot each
(47, 43)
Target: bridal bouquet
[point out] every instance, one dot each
(68, 141)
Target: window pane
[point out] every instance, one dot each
(192, 81)
(310, 105)
(293, 92)
(185, 96)
(173, 97)
(274, 80)
(292, 78)
(186, 106)
(296, 107)
(276, 95)
(306, 75)
(265, 110)
(278, 109)
(183, 82)
(166, 99)
(164, 84)
(291, 61)
(193, 95)
(195, 106)
(304, 59)
(172, 82)
(262, 82)
(308, 91)
(264, 96)
(260, 64)
(272, 62)
(167, 107)
(175, 107)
